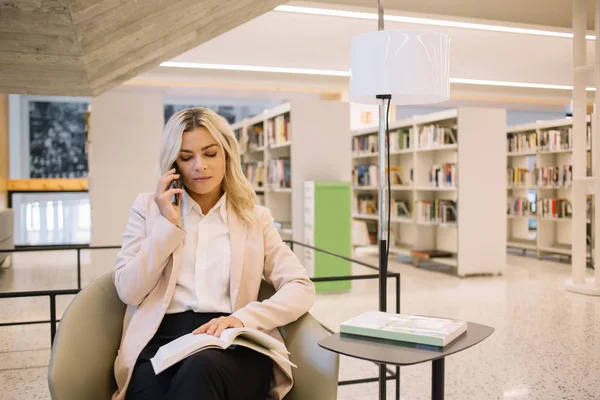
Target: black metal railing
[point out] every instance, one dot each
(52, 294)
(393, 374)
(77, 248)
(40, 293)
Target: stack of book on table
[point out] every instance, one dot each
(405, 328)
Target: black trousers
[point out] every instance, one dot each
(212, 374)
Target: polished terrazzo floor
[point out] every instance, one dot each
(546, 343)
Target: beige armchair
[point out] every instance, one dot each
(7, 227)
(87, 339)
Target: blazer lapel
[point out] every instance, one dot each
(237, 237)
(172, 269)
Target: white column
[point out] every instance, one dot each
(4, 143)
(579, 156)
(596, 148)
(583, 185)
(125, 133)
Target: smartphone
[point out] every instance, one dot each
(176, 184)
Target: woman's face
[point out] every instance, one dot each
(201, 162)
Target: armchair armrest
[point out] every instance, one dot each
(86, 344)
(316, 377)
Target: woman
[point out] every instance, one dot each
(193, 257)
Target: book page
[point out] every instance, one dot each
(187, 343)
(180, 348)
(230, 336)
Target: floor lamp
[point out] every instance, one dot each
(403, 67)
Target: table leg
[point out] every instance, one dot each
(382, 381)
(437, 379)
(397, 383)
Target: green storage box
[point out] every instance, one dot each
(328, 226)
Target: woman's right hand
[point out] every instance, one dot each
(163, 194)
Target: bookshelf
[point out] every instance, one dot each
(438, 189)
(285, 146)
(265, 143)
(539, 187)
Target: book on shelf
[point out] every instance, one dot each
(360, 233)
(520, 207)
(405, 328)
(400, 140)
(443, 175)
(366, 204)
(556, 139)
(396, 176)
(242, 139)
(435, 211)
(554, 208)
(364, 233)
(399, 208)
(255, 173)
(547, 140)
(518, 177)
(278, 129)
(238, 134)
(279, 173)
(186, 345)
(256, 138)
(554, 176)
(365, 175)
(362, 145)
(522, 142)
(436, 135)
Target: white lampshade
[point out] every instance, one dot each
(413, 66)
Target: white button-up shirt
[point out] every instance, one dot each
(205, 267)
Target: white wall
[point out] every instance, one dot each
(481, 190)
(518, 117)
(513, 117)
(321, 151)
(125, 133)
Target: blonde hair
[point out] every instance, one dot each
(239, 191)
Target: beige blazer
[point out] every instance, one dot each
(146, 270)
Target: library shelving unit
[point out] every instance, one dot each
(539, 187)
(447, 205)
(265, 142)
(281, 148)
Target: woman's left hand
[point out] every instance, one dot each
(217, 325)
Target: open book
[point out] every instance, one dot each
(175, 351)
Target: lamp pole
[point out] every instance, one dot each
(382, 191)
(423, 60)
(383, 256)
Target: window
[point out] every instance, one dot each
(52, 218)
